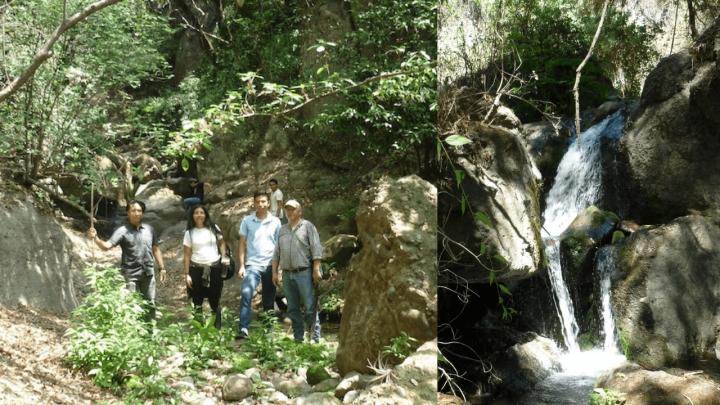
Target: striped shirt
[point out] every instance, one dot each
(298, 247)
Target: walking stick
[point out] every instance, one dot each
(92, 218)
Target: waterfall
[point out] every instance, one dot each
(605, 264)
(577, 186)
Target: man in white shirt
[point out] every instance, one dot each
(276, 201)
(259, 233)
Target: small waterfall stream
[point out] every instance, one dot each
(577, 186)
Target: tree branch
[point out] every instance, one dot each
(578, 71)
(45, 51)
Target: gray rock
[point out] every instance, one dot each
(351, 382)
(339, 249)
(524, 365)
(501, 181)
(399, 247)
(318, 398)
(640, 386)
(350, 396)
(237, 387)
(278, 398)
(327, 385)
(668, 157)
(316, 374)
(666, 292)
(293, 387)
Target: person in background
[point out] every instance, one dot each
(296, 266)
(259, 233)
(197, 197)
(140, 251)
(203, 255)
(276, 201)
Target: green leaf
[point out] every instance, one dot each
(457, 140)
(504, 289)
(501, 259)
(491, 277)
(483, 249)
(459, 176)
(185, 164)
(462, 206)
(482, 217)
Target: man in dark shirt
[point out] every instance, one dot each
(140, 250)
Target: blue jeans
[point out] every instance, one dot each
(254, 275)
(300, 292)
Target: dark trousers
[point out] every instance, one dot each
(199, 292)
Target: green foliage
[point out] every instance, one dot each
(617, 236)
(275, 350)
(58, 121)
(602, 396)
(367, 98)
(401, 346)
(549, 39)
(625, 344)
(109, 339)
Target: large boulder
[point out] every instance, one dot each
(163, 208)
(35, 258)
(669, 155)
(645, 387)
(666, 295)
(391, 284)
(499, 181)
(339, 249)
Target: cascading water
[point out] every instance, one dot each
(604, 265)
(577, 186)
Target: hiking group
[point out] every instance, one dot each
(277, 248)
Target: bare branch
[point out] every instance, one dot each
(578, 71)
(45, 51)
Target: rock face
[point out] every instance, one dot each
(524, 365)
(669, 154)
(643, 387)
(499, 180)
(339, 249)
(666, 296)
(35, 259)
(163, 208)
(237, 387)
(391, 285)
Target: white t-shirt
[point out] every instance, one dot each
(204, 246)
(276, 196)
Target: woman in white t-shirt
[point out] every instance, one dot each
(202, 264)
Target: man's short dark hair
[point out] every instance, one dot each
(133, 202)
(273, 181)
(261, 194)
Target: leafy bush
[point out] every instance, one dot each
(401, 346)
(109, 339)
(276, 350)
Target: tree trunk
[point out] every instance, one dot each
(578, 71)
(691, 20)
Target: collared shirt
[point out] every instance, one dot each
(136, 245)
(298, 247)
(261, 237)
(275, 198)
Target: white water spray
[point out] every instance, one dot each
(605, 264)
(577, 186)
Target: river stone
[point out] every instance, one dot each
(237, 387)
(501, 181)
(293, 387)
(318, 398)
(350, 382)
(390, 287)
(642, 387)
(327, 385)
(666, 292)
(278, 397)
